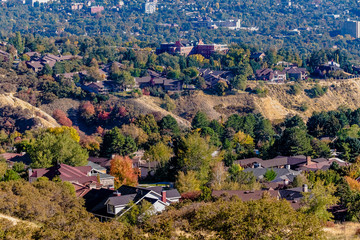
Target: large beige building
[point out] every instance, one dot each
(352, 28)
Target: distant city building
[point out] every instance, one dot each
(209, 23)
(352, 28)
(150, 6)
(33, 2)
(77, 6)
(96, 9)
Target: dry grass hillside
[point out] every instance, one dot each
(345, 231)
(45, 119)
(275, 106)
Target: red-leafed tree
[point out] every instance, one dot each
(87, 110)
(100, 130)
(61, 118)
(103, 116)
(122, 111)
(121, 168)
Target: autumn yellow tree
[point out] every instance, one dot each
(243, 142)
(121, 168)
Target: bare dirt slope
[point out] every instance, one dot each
(45, 119)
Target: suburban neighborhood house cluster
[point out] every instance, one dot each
(93, 183)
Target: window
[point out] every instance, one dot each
(111, 209)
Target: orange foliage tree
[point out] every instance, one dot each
(354, 185)
(61, 118)
(121, 168)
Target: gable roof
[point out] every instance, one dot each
(121, 200)
(246, 195)
(66, 173)
(103, 162)
(277, 161)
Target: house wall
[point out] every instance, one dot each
(119, 209)
(159, 207)
(107, 182)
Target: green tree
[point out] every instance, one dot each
(239, 82)
(187, 182)
(49, 149)
(11, 175)
(195, 153)
(200, 120)
(221, 87)
(47, 70)
(295, 141)
(19, 43)
(169, 123)
(114, 142)
(319, 200)
(270, 175)
(159, 153)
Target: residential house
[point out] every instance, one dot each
(296, 73)
(249, 162)
(108, 205)
(80, 177)
(37, 63)
(103, 162)
(212, 77)
(187, 48)
(324, 69)
(281, 173)
(267, 74)
(257, 56)
(321, 164)
(245, 195)
(12, 158)
(99, 87)
(292, 195)
(100, 172)
(164, 83)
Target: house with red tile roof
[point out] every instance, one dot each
(80, 177)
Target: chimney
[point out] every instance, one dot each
(308, 160)
(286, 182)
(30, 172)
(117, 193)
(163, 196)
(305, 188)
(287, 166)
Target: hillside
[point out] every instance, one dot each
(276, 105)
(45, 119)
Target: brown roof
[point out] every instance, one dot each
(278, 161)
(246, 195)
(104, 162)
(66, 173)
(248, 161)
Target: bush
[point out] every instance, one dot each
(316, 91)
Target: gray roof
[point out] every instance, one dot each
(95, 166)
(121, 200)
(173, 193)
(280, 172)
(102, 175)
